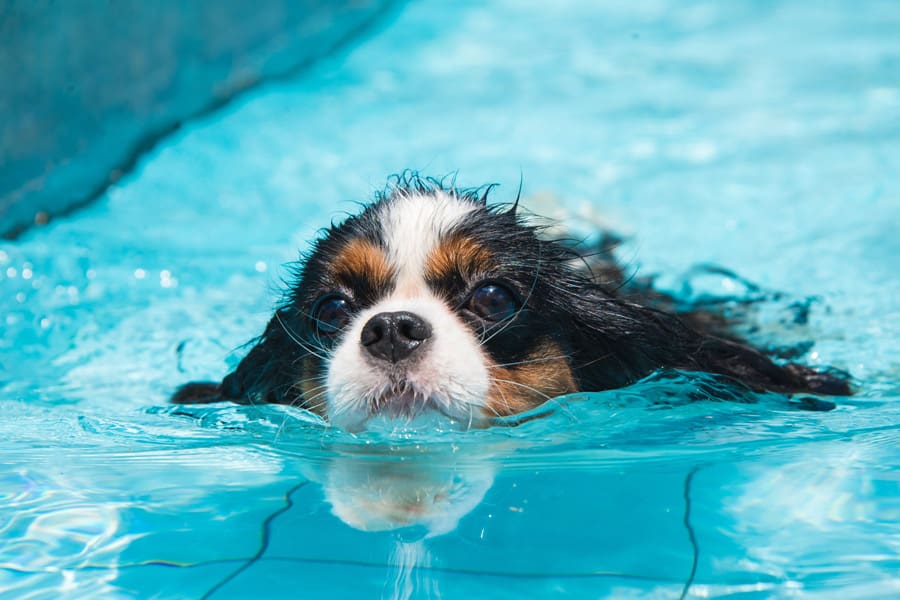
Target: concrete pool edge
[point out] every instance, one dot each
(38, 182)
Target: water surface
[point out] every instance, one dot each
(763, 137)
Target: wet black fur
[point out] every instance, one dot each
(613, 333)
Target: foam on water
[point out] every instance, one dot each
(761, 137)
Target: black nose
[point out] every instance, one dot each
(393, 336)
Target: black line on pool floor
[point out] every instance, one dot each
(266, 535)
(691, 535)
(332, 562)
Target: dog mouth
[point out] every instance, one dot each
(403, 400)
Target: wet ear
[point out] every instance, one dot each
(830, 382)
(197, 392)
(621, 342)
(264, 375)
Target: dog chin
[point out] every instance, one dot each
(403, 406)
(404, 401)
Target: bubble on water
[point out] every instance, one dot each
(166, 280)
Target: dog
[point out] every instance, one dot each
(432, 300)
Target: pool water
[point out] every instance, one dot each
(761, 137)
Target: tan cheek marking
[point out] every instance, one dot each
(457, 254)
(362, 259)
(312, 385)
(544, 374)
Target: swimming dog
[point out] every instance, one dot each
(431, 299)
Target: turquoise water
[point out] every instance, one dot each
(763, 137)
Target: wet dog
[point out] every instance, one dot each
(431, 299)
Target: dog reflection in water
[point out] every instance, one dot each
(417, 496)
(425, 496)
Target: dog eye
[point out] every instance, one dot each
(331, 314)
(493, 302)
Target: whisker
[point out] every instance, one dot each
(503, 396)
(596, 360)
(527, 387)
(531, 361)
(309, 315)
(297, 340)
(509, 327)
(311, 404)
(297, 386)
(300, 382)
(314, 393)
(280, 428)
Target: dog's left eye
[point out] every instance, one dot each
(331, 314)
(493, 302)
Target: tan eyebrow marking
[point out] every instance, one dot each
(360, 258)
(543, 374)
(457, 255)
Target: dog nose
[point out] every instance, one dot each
(393, 336)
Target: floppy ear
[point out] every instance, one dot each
(740, 361)
(197, 392)
(266, 374)
(619, 342)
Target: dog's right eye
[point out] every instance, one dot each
(331, 314)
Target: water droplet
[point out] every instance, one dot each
(166, 280)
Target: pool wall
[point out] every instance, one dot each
(88, 86)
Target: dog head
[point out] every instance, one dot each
(428, 301)
(432, 301)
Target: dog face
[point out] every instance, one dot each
(428, 300)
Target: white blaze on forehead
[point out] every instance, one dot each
(450, 372)
(413, 225)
